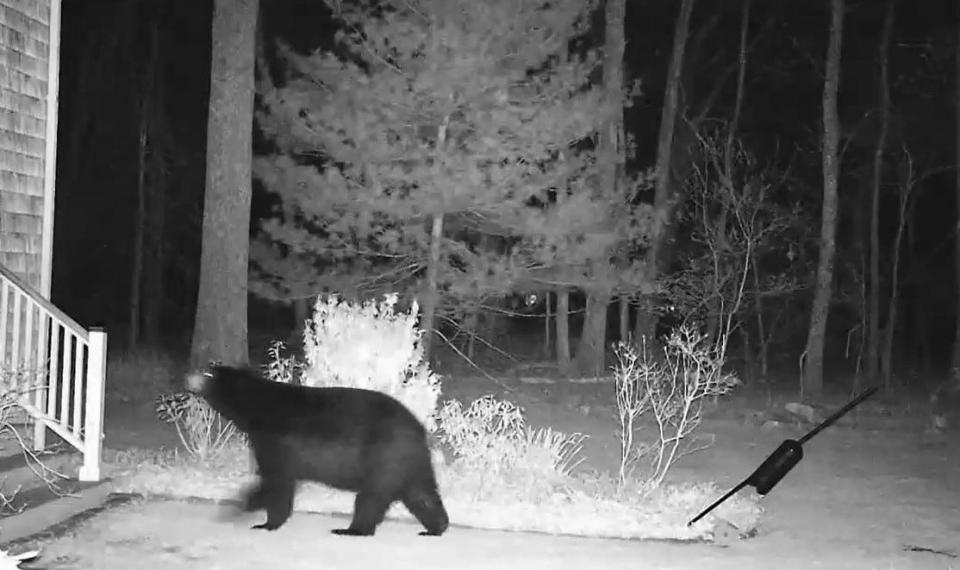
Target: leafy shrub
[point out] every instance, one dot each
(282, 369)
(370, 346)
(203, 432)
(495, 451)
(484, 437)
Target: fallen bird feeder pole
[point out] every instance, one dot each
(783, 459)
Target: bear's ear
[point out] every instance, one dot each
(197, 382)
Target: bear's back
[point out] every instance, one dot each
(253, 402)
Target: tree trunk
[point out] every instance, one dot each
(922, 343)
(645, 325)
(547, 337)
(263, 76)
(564, 362)
(473, 331)
(220, 328)
(624, 321)
(432, 295)
(883, 58)
(430, 299)
(591, 350)
(955, 361)
(715, 318)
(711, 323)
(762, 346)
(860, 305)
(812, 384)
(301, 312)
(148, 109)
(140, 220)
(663, 202)
(610, 148)
(562, 317)
(154, 274)
(738, 99)
(905, 190)
(749, 359)
(158, 139)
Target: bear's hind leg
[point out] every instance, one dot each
(426, 505)
(276, 496)
(369, 508)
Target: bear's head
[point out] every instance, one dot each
(198, 382)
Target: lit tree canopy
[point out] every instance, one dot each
(478, 112)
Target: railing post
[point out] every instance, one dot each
(93, 421)
(43, 373)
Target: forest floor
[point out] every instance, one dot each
(874, 491)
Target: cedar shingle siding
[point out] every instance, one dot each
(24, 56)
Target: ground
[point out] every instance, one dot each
(187, 536)
(874, 492)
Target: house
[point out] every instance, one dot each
(56, 366)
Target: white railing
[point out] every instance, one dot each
(59, 366)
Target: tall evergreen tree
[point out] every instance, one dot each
(427, 152)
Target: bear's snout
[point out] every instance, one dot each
(195, 382)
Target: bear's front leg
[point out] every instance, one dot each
(276, 496)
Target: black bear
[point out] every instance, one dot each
(347, 438)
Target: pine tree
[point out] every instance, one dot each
(435, 129)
